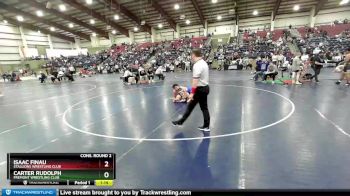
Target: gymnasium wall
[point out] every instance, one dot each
(61, 44)
(35, 39)
(11, 45)
(192, 30)
(255, 23)
(227, 27)
(170, 34)
(10, 41)
(328, 16)
(141, 37)
(296, 20)
(119, 39)
(165, 34)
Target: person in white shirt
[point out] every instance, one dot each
(71, 69)
(176, 63)
(199, 92)
(274, 58)
(187, 66)
(316, 50)
(159, 73)
(296, 69)
(172, 67)
(280, 59)
(337, 59)
(127, 75)
(304, 57)
(141, 69)
(60, 75)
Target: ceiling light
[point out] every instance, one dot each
(255, 12)
(39, 13)
(94, 34)
(219, 17)
(52, 29)
(296, 7)
(116, 17)
(5, 21)
(342, 2)
(62, 7)
(20, 18)
(92, 21)
(176, 6)
(89, 2)
(160, 25)
(188, 21)
(114, 32)
(71, 25)
(214, 1)
(136, 29)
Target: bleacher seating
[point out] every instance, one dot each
(277, 33)
(332, 30)
(261, 34)
(329, 38)
(127, 55)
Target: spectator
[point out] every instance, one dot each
(271, 72)
(296, 69)
(317, 64)
(127, 74)
(159, 73)
(260, 68)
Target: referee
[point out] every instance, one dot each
(199, 92)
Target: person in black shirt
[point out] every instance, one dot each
(42, 77)
(317, 64)
(4, 77)
(150, 74)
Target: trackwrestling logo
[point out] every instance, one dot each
(29, 192)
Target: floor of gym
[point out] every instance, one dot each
(263, 136)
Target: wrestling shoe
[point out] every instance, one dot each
(176, 123)
(205, 129)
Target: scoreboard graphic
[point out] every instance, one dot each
(61, 169)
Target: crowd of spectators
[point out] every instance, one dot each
(317, 40)
(177, 53)
(240, 56)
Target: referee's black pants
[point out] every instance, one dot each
(201, 97)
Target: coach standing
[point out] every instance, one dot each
(200, 90)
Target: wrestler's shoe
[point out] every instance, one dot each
(176, 123)
(205, 129)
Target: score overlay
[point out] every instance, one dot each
(61, 168)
